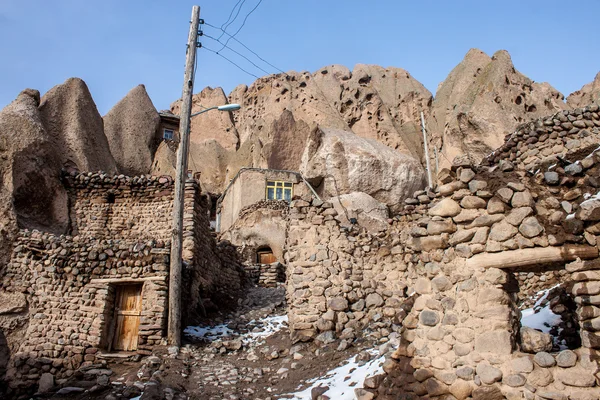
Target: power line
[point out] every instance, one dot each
(221, 55)
(239, 54)
(226, 24)
(246, 47)
(243, 23)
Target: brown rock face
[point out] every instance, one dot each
(131, 128)
(589, 93)
(212, 124)
(279, 111)
(289, 140)
(482, 100)
(70, 117)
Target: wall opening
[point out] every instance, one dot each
(264, 255)
(543, 297)
(127, 313)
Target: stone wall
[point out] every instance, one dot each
(69, 282)
(432, 283)
(540, 142)
(122, 229)
(107, 206)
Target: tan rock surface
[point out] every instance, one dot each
(71, 118)
(368, 212)
(131, 128)
(481, 101)
(212, 124)
(589, 93)
(32, 194)
(338, 162)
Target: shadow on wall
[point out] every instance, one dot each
(4, 357)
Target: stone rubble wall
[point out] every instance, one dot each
(265, 275)
(540, 142)
(123, 227)
(458, 325)
(141, 207)
(69, 299)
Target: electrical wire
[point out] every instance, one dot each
(221, 55)
(230, 14)
(238, 53)
(227, 23)
(246, 47)
(243, 23)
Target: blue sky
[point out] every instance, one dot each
(115, 45)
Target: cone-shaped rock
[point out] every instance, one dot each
(71, 118)
(131, 127)
(481, 101)
(31, 195)
(339, 162)
(589, 93)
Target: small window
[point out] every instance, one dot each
(168, 134)
(279, 190)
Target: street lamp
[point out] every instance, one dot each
(175, 267)
(226, 107)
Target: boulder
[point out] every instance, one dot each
(343, 162)
(131, 127)
(368, 212)
(589, 210)
(71, 119)
(533, 341)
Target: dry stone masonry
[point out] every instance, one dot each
(120, 236)
(444, 279)
(546, 140)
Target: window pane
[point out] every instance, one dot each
(270, 193)
(279, 183)
(279, 194)
(288, 184)
(287, 194)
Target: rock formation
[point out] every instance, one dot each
(213, 124)
(588, 94)
(131, 128)
(338, 162)
(278, 112)
(482, 100)
(32, 195)
(70, 117)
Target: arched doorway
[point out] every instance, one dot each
(264, 255)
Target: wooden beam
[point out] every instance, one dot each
(533, 256)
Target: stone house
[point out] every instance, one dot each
(169, 126)
(251, 214)
(103, 287)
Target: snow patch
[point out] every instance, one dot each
(343, 380)
(541, 317)
(263, 328)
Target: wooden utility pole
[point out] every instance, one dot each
(174, 329)
(430, 183)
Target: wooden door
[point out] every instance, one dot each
(128, 309)
(266, 257)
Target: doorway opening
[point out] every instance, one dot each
(265, 255)
(127, 314)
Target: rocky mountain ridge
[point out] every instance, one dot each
(482, 99)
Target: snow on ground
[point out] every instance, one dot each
(209, 333)
(541, 317)
(263, 328)
(342, 380)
